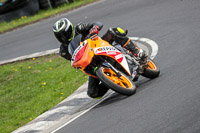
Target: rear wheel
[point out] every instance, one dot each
(151, 70)
(120, 84)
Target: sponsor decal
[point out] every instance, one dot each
(108, 50)
(118, 56)
(78, 49)
(112, 51)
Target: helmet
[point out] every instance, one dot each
(64, 30)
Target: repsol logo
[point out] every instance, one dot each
(108, 49)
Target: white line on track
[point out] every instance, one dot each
(82, 113)
(154, 47)
(38, 54)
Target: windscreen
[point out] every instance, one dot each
(74, 44)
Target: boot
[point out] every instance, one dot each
(137, 52)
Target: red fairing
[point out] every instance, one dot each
(118, 56)
(80, 53)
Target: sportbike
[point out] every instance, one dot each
(113, 66)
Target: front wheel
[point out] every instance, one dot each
(151, 70)
(122, 84)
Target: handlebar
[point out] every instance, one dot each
(88, 36)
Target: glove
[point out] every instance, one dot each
(64, 52)
(94, 30)
(83, 29)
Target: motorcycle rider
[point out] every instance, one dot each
(69, 36)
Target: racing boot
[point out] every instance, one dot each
(136, 51)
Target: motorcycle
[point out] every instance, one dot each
(113, 66)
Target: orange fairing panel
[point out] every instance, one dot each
(85, 59)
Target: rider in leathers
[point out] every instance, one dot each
(70, 36)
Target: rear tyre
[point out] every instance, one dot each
(122, 85)
(151, 70)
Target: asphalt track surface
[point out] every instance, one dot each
(167, 104)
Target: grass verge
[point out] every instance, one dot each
(42, 14)
(31, 87)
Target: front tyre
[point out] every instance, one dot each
(151, 70)
(122, 85)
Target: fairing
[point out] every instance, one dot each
(83, 55)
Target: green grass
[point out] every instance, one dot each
(42, 14)
(29, 88)
(1, 1)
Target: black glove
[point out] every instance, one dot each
(64, 52)
(83, 28)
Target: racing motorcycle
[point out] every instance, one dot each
(113, 66)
